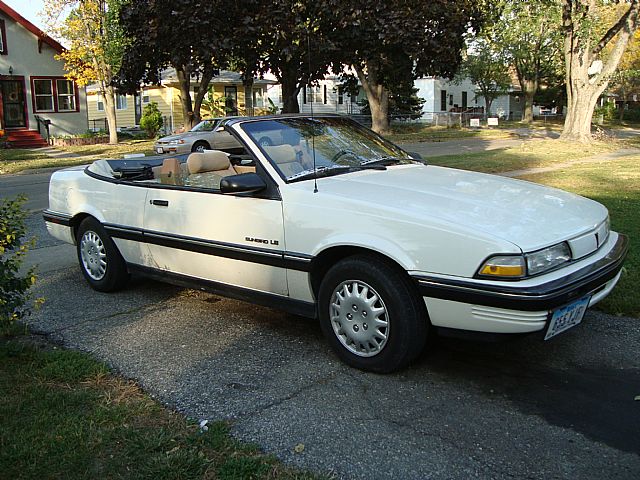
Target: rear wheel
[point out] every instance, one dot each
(200, 146)
(102, 265)
(371, 314)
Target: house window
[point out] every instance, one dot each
(43, 93)
(451, 100)
(145, 97)
(443, 100)
(464, 99)
(121, 102)
(258, 98)
(324, 96)
(3, 39)
(312, 93)
(304, 95)
(99, 103)
(340, 96)
(66, 96)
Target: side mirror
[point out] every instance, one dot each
(243, 183)
(415, 155)
(220, 129)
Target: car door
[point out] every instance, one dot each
(234, 240)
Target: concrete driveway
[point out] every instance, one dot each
(521, 409)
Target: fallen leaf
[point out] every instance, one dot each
(299, 448)
(637, 399)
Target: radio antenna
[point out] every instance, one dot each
(313, 135)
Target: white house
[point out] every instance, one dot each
(33, 87)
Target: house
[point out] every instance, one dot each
(444, 96)
(230, 97)
(33, 88)
(325, 96)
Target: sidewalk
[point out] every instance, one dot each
(54, 152)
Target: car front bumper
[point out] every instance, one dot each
(521, 306)
(172, 149)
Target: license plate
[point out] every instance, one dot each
(566, 317)
(159, 150)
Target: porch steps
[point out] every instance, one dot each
(25, 139)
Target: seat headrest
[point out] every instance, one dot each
(281, 153)
(207, 161)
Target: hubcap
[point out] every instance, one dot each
(359, 318)
(94, 255)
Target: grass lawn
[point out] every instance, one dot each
(17, 160)
(615, 184)
(531, 154)
(63, 415)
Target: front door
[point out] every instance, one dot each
(13, 105)
(227, 239)
(231, 100)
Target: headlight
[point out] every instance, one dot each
(547, 259)
(519, 266)
(507, 266)
(176, 142)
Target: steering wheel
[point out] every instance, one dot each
(342, 153)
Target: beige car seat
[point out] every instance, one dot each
(170, 173)
(285, 158)
(207, 168)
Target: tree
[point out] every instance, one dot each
(625, 82)
(589, 66)
(528, 35)
(389, 44)
(287, 39)
(486, 68)
(167, 33)
(151, 120)
(95, 45)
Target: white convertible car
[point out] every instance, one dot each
(329, 220)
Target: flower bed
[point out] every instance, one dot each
(75, 141)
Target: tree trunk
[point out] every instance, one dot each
(529, 88)
(378, 98)
(184, 81)
(487, 105)
(584, 87)
(203, 88)
(108, 94)
(290, 91)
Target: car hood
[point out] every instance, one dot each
(529, 215)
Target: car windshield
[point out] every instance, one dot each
(340, 146)
(206, 125)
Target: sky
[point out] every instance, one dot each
(29, 9)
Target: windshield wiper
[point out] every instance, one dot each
(319, 172)
(382, 160)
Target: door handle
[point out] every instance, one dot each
(160, 203)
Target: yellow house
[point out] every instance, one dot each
(230, 97)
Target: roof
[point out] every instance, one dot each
(168, 76)
(11, 13)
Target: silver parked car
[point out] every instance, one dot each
(206, 135)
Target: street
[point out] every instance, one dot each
(517, 409)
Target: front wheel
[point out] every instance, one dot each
(200, 147)
(371, 314)
(100, 262)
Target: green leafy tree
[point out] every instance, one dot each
(486, 67)
(151, 120)
(96, 42)
(389, 44)
(14, 286)
(528, 36)
(596, 35)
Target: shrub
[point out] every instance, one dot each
(15, 298)
(151, 121)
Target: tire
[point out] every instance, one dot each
(200, 146)
(348, 308)
(100, 261)
(265, 142)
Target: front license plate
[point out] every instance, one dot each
(159, 150)
(566, 317)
